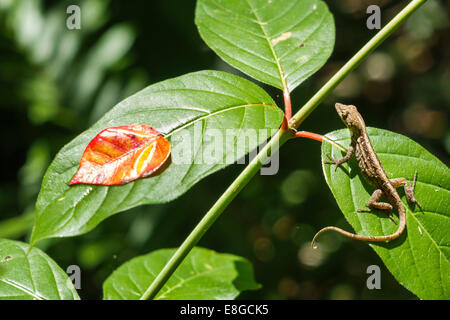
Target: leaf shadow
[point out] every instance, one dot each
(162, 168)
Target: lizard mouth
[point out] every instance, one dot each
(342, 110)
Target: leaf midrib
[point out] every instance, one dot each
(18, 286)
(272, 49)
(191, 122)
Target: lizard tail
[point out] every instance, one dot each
(390, 237)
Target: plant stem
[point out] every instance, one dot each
(274, 144)
(238, 184)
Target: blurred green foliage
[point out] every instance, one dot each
(55, 82)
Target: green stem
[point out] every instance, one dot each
(238, 184)
(274, 144)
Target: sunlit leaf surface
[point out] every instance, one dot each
(204, 274)
(279, 42)
(31, 275)
(419, 258)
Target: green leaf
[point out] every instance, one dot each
(189, 111)
(419, 258)
(203, 275)
(278, 42)
(32, 276)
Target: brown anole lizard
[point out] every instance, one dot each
(374, 174)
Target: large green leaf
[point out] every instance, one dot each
(203, 275)
(187, 110)
(419, 258)
(32, 276)
(278, 42)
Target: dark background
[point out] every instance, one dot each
(55, 82)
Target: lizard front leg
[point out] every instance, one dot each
(338, 162)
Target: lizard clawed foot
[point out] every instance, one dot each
(337, 163)
(409, 191)
(418, 204)
(391, 218)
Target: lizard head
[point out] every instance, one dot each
(350, 116)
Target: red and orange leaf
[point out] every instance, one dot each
(119, 155)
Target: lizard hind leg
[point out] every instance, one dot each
(409, 188)
(375, 204)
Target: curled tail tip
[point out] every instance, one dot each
(314, 240)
